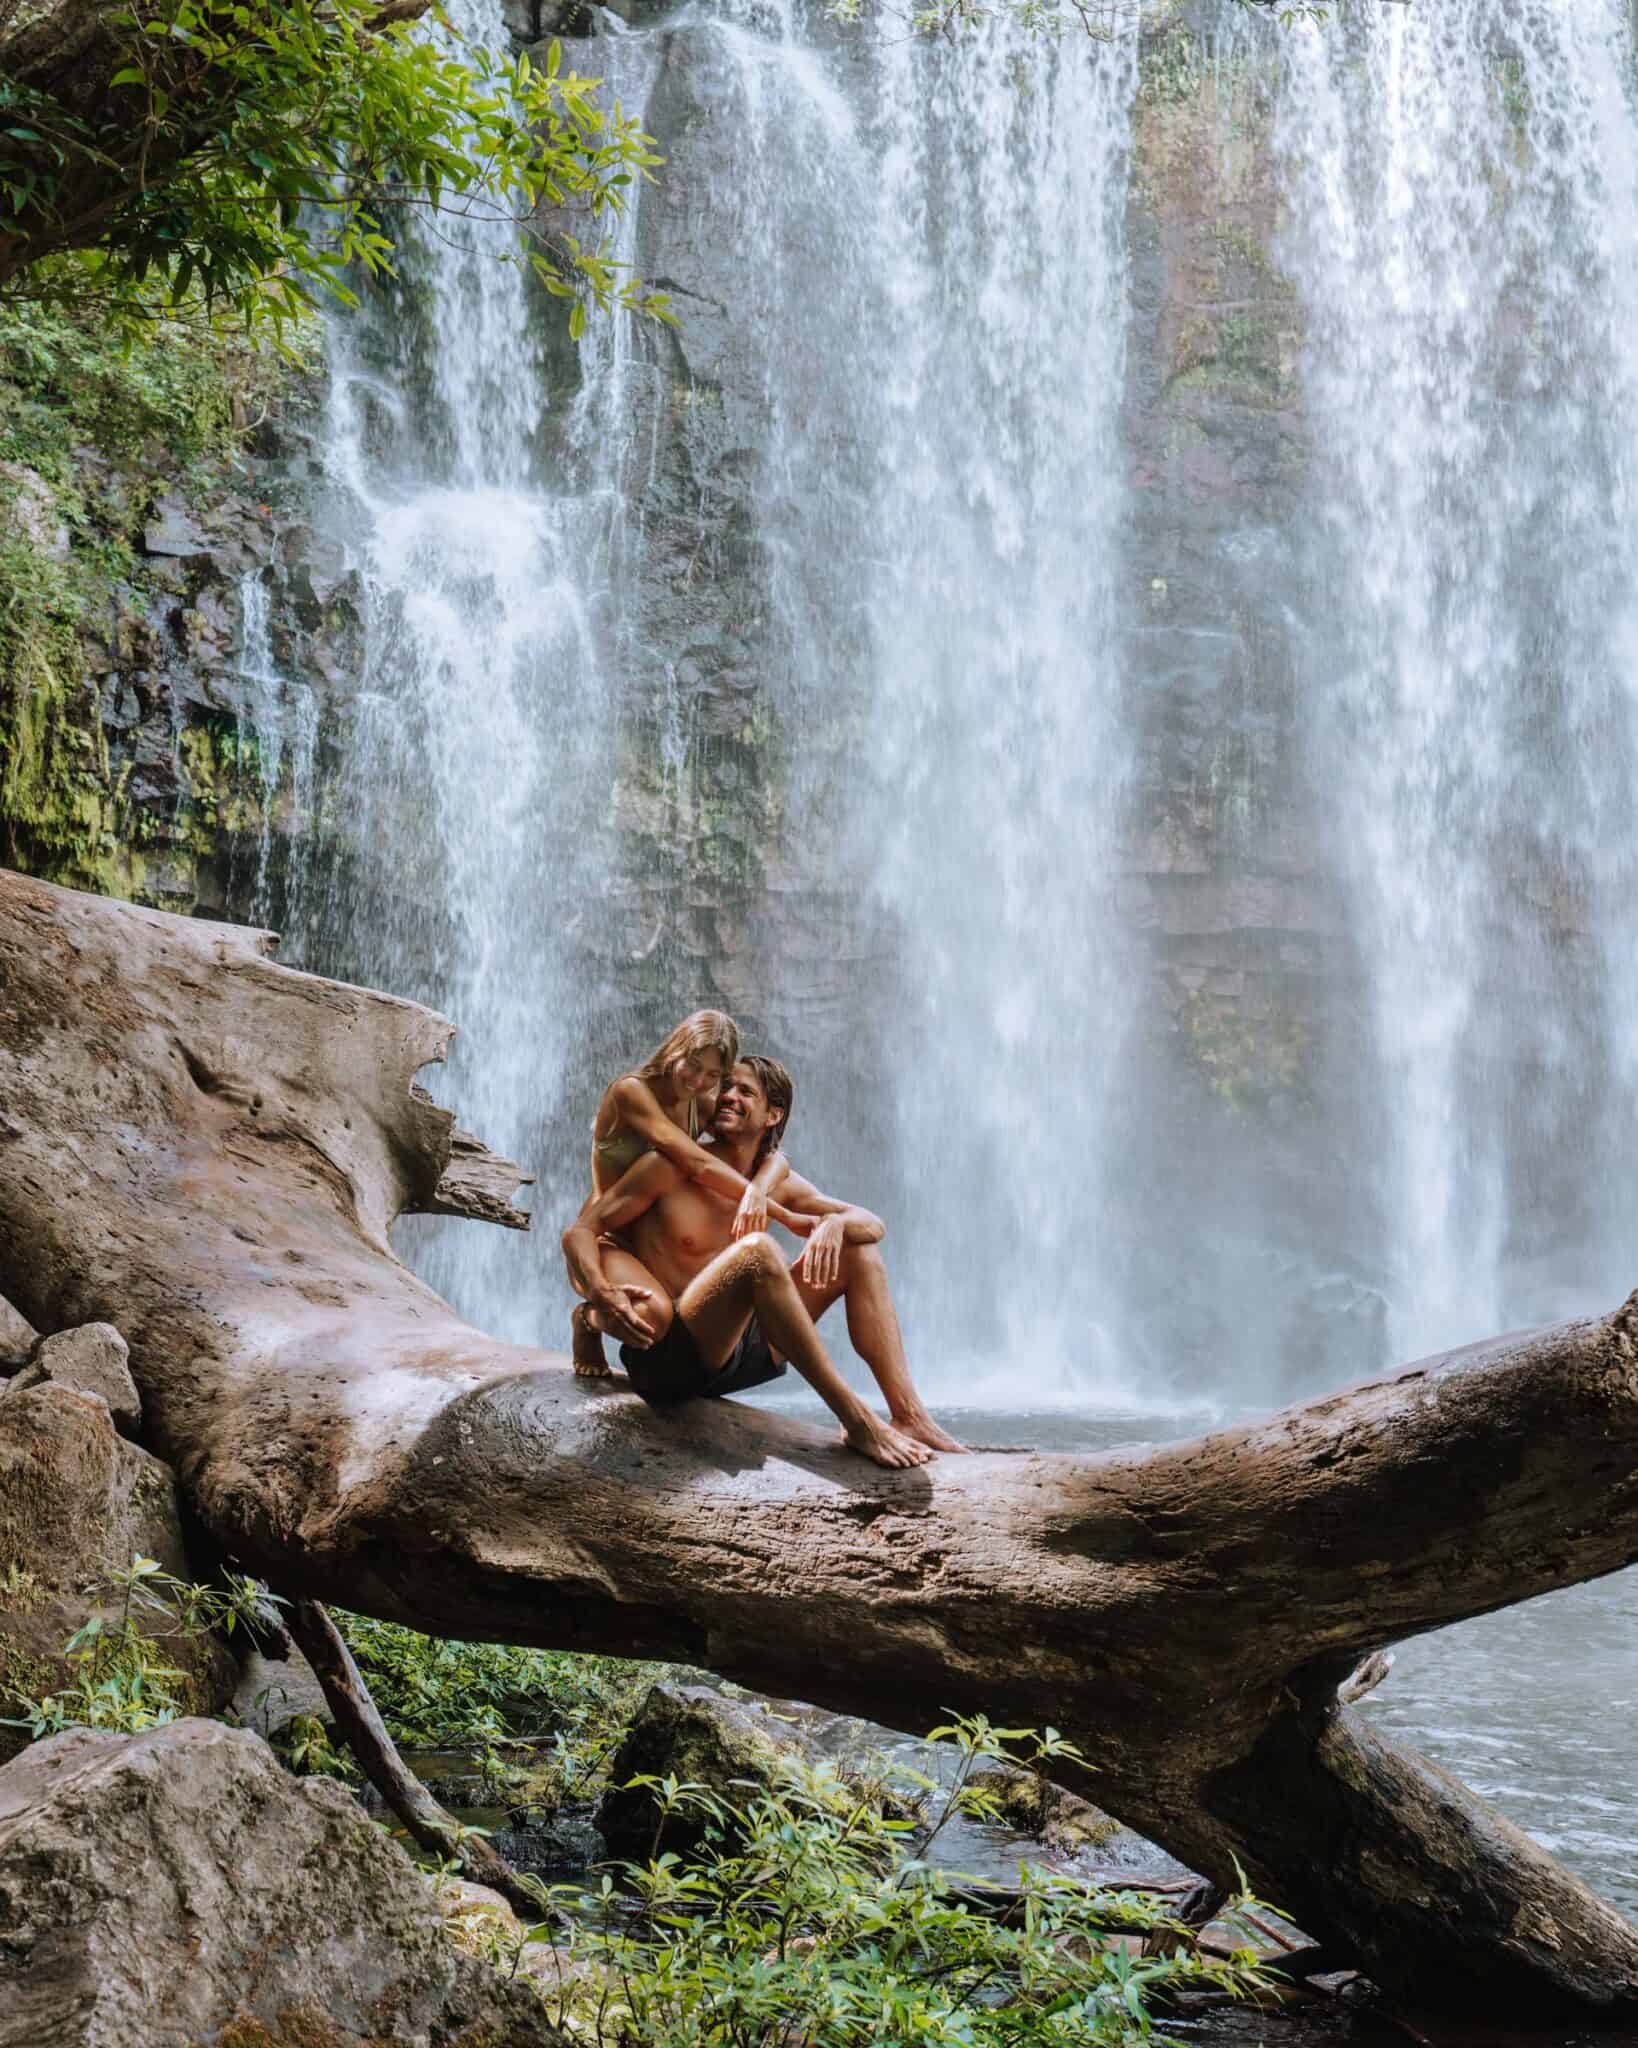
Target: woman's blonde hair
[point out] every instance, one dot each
(705, 1031)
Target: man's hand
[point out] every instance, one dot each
(622, 1310)
(752, 1213)
(821, 1262)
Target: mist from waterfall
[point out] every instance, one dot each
(1462, 184)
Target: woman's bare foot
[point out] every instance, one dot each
(926, 1431)
(884, 1445)
(586, 1346)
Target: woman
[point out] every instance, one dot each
(663, 1107)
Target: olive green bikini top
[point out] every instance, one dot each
(623, 1146)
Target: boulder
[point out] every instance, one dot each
(274, 1691)
(178, 1888)
(91, 1359)
(730, 1746)
(17, 1338)
(77, 1502)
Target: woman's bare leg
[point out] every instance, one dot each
(752, 1278)
(623, 1269)
(873, 1330)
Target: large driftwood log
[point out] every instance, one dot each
(207, 1149)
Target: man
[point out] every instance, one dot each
(701, 1313)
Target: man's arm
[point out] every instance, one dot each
(835, 1224)
(638, 1188)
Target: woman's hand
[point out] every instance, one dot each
(752, 1213)
(821, 1262)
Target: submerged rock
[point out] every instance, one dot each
(179, 1887)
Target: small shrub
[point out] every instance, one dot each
(122, 1679)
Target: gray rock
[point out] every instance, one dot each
(27, 503)
(91, 1360)
(17, 1338)
(171, 529)
(1033, 1806)
(179, 1887)
(274, 1691)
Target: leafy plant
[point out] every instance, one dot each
(499, 1701)
(122, 1679)
(818, 1920)
(251, 155)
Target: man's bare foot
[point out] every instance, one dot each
(884, 1445)
(926, 1431)
(586, 1347)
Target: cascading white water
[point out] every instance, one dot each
(934, 270)
(1463, 181)
(284, 719)
(480, 755)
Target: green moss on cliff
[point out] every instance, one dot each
(91, 431)
(1252, 1063)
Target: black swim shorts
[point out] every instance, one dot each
(672, 1370)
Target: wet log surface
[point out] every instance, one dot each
(207, 1149)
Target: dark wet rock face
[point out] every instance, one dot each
(180, 1887)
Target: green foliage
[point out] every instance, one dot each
(256, 154)
(122, 1679)
(68, 383)
(817, 1920)
(496, 1701)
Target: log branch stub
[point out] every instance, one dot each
(207, 1150)
(365, 1733)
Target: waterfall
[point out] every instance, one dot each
(931, 297)
(284, 720)
(479, 762)
(1462, 182)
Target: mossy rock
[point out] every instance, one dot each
(731, 1747)
(1044, 1811)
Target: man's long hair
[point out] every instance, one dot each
(777, 1085)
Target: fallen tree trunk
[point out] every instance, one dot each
(207, 1149)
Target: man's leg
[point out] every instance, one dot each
(751, 1277)
(873, 1330)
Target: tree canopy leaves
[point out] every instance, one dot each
(253, 154)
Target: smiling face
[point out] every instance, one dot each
(743, 1109)
(697, 1077)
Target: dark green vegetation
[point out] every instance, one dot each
(93, 430)
(810, 1917)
